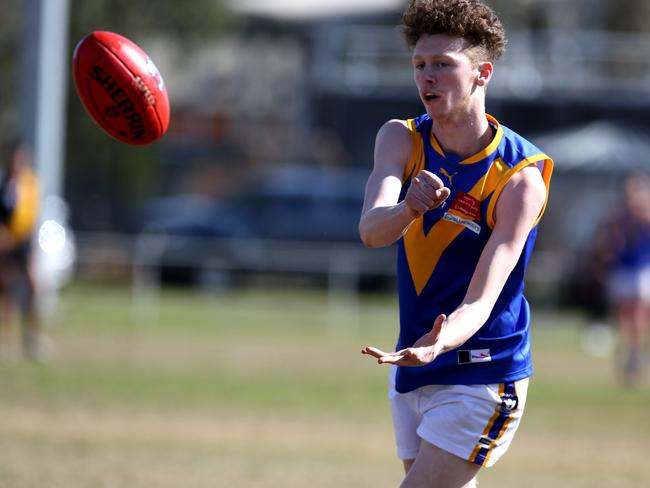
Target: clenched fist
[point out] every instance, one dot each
(426, 192)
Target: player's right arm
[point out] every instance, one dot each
(384, 219)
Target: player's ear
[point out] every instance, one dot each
(485, 70)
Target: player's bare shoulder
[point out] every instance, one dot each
(524, 196)
(395, 131)
(528, 184)
(393, 144)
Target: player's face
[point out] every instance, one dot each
(445, 76)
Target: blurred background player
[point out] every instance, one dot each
(19, 205)
(627, 237)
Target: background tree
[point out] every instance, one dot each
(11, 37)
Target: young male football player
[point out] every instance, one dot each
(461, 194)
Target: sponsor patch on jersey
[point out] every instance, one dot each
(467, 205)
(474, 356)
(470, 224)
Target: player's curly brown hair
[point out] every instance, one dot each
(469, 19)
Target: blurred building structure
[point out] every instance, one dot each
(298, 75)
(309, 83)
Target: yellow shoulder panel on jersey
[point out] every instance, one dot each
(546, 168)
(416, 161)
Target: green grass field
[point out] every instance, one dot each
(268, 389)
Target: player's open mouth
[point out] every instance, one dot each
(430, 97)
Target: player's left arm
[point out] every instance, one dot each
(516, 213)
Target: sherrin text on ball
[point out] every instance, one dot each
(121, 88)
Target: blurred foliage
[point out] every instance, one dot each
(10, 40)
(186, 22)
(104, 177)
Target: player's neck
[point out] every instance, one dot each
(463, 136)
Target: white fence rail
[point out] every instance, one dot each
(142, 257)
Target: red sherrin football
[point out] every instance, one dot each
(121, 88)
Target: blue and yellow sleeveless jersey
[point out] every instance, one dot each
(439, 252)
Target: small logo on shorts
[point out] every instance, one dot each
(509, 402)
(485, 441)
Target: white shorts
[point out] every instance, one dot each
(473, 422)
(630, 284)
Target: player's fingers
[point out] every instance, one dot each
(442, 194)
(431, 179)
(397, 357)
(423, 188)
(425, 203)
(421, 197)
(424, 185)
(391, 359)
(373, 351)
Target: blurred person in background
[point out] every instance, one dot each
(590, 293)
(462, 195)
(19, 204)
(626, 237)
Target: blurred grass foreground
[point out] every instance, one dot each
(264, 389)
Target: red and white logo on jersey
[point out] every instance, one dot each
(467, 205)
(465, 210)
